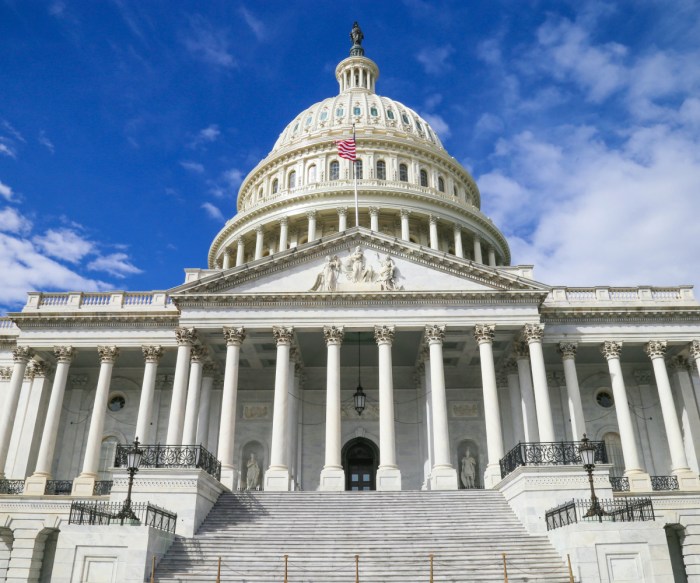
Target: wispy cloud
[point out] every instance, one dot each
(207, 135)
(5, 191)
(195, 167)
(11, 221)
(256, 25)
(208, 43)
(64, 244)
(6, 149)
(116, 264)
(438, 124)
(435, 59)
(44, 141)
(213, 211)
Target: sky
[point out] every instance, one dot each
(126, 128)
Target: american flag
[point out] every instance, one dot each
(346, 149)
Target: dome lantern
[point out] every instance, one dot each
(357, 72)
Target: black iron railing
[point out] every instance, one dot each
(620, 484)
(59, 487)
(172, 456)
(102, 488)
(105, 513)
(659, 483)
(614, 510)
(13, 487)
(556, 453)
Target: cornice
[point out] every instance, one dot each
(95, 320)
(613, 315)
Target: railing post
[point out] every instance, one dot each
(505, 569)
(571, 573)
(153, 569)
(286, 558)
(218, 571)
(357, 568)
(431, 568)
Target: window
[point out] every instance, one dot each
(296, 128)
(381, 170)
(405, 119)
(358, 169)
(260, 192)
(390, 113)
(613, 446)
(423, 178)
(312, 174)
(374, 112)
(604, 398)
(292, 180)
(403, 173)
(324, 115)
(335, 170)
(308, 120)
(441, 184)
(419, 126)
(116, 403)
(356, 110)
(454, 190)
(275, 186)
(106, 463)
(340, 112)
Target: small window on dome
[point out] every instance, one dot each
(403, 173)
(335, 170)
(358, 169)
(356, 110)
(423, 178)
(381, 170)
(260, 192)
(309, 120)
(405, 119)
(312, 174)
(419, 125)
(340, 112)
(441, 184)
(296, 128)
(275, 186)
(454, 190)
(374, 112)
(430, 134)
(390, 113)
(292, 180)
(324, 115)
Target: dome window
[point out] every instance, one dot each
(260, 192)
(340, 112)
(405, 119)
(335, 170)
(292, 179)
(357, 110)
(358, 169)
(441, 184)
(312, 174)
(381, 169)
(374, 112)
(403, 173)
(296, 128)
(324, 115)
(275, 186)
(390, 113)
(309, 120)
(454, 191)
(419, 125)
(423, 178)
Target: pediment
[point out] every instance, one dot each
(358, 261)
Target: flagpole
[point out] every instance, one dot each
(354, 172)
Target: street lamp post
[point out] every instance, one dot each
(133, 461)
(587, 451)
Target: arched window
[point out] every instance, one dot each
(260, 192)
(312, 174)
(441, 184)
(292, 179)
(358, 169)
(403, 173)
(335, 170)
(454, 191)
(106, 463)
(423, 178)
(275, 186)
(613, 446)
(381, 170)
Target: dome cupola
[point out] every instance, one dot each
(357, 72)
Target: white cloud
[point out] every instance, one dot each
(434, 59)
(255, 24)
(209, 44)
(64, 244)
(195, 167)
(44, 141)
(233, 177)
(7, 150)
(206, 135)
(438, 124)
(5, 191)
(213, 211)
(116, 264)
(12, 221)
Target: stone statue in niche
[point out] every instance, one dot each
(468, 473)
(327, 280)
(253, 473)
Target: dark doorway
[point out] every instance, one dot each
(360, 461)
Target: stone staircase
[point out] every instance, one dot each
(392, 532)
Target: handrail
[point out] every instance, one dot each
(556, 453)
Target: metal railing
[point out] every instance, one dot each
(13, 487)
(614, 510)
(556, 453)
(172, 456)
(661, 483)
(105, 513)
(59, 487)
(620, 484)
(102, 487)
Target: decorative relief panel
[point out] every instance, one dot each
(355, 273)
(464, 409)
(371, 411)
(256, 411)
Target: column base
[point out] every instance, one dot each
(84, 485)
(332, 479)
(492, 476)
(443, 478)
(277, 479)
(388, 479)
(687, 480)
(229, 477)
(35, 485)
(639, 481)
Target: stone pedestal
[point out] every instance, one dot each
(332, 480)
(687, 481)
(389, 479)
(443, 478)
(639, 481)
(84, 485)
(277, 480)
(229, 477)
(492, 476)
(36, 485)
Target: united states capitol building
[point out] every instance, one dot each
(329, 349)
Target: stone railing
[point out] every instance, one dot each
(7, 326)
(98, 301)
(608, 295)
(558, 453)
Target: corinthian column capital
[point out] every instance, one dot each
(434, 333)
(521, 350)
(283, 335)
(533, 332)
(198, 354)
(333, 335)
(695, 349)
(567, 350)
(483, 333)
(384, 334)
(108, 353)
(655, 348)
(152, 353)
(22, 354)
(185, 336)
(38, 369)
(64, 353)
(234, 335)
(679, 363)
(611, 349)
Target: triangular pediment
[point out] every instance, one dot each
(358, 261)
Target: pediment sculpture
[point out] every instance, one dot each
(354, 273)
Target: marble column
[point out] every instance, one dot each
(443, 475)
(459, 248)
(36, 484)
(516, 409)
(259, 241)
(687, 480)
(342, 219)
(567, 350)
(405, 231)
(21, 356)
(208, 374)
(680, 368)
(434, 241)
(84, 484)
(374, 219)
(277, 475)
(332, 475)
(694, 353)
(194, 388)
(483, 333)
(226, 262)
(186, 338)
(425, 369)
(227, 428)
(532, 334)
(311, 216)
(388, 474)
(492, 257)
(521, 352)
(240, 251)
(638, 478)
(284, 233)
(478, 257)
(144, 433)
(295, 369)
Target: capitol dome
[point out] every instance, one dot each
(408, 186)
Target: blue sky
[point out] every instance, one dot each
(127, 127)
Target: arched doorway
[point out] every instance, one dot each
(360, 462)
